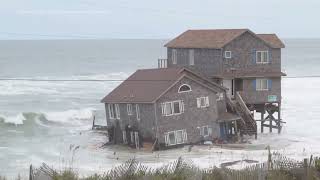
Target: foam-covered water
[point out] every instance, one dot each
(41, 120)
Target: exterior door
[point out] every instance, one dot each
(223, 133)
(229, 83)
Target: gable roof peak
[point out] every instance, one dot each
(218, 38)
(146, 85)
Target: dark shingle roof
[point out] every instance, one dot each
(217, 38)
(272, 39)
(144, 85)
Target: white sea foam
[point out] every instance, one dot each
(18, 119)
(11, 87)
(69, 116)
(25, 87)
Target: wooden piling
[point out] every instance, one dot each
(262, 121)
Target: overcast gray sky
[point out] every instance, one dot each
(52, 19)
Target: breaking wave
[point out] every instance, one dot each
(52, 85)
(72, 117)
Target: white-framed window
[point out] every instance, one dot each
(262, 85)
(175, 137)
(172, 108)
(129, 109)
(262, 57)
(132, 136)
(114, 111)
(174, 56)
(219, 96)
(117, 111)
(203, 102)
(191, 57)
(124, 137)
(184, 88)
(227, 54)
(111, 110)
(138, 112)
(205, 131)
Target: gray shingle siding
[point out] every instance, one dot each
(243, 49)
(210, 62)
(251, 96)
(193, 117)
(206, 61)
(146, 123)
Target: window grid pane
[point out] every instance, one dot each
(179, 138)
(176, 107)
(172, 139)
(174, 56)
(191, 57)
(168, 108)
(265, 57)
(262, 84)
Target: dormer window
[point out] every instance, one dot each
(227, 54)
(184, 88)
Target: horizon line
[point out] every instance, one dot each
(108, 38)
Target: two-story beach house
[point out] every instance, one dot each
(207, 88)
(248, 64)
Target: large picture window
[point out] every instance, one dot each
(262, 57)
(172, 108)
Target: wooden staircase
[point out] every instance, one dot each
(247, 125)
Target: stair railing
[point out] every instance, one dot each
(245, 108)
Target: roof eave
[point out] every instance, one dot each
(199, 76)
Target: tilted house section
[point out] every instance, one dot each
(168, 106)
(248, 64)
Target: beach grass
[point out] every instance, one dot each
(277, 167)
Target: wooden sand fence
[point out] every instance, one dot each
(277, 167)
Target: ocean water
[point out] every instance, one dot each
(43, 121)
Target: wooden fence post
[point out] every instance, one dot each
(30, 173)
(306, 168)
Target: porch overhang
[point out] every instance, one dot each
(228, 117)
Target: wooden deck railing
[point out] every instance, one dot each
(162, 63)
